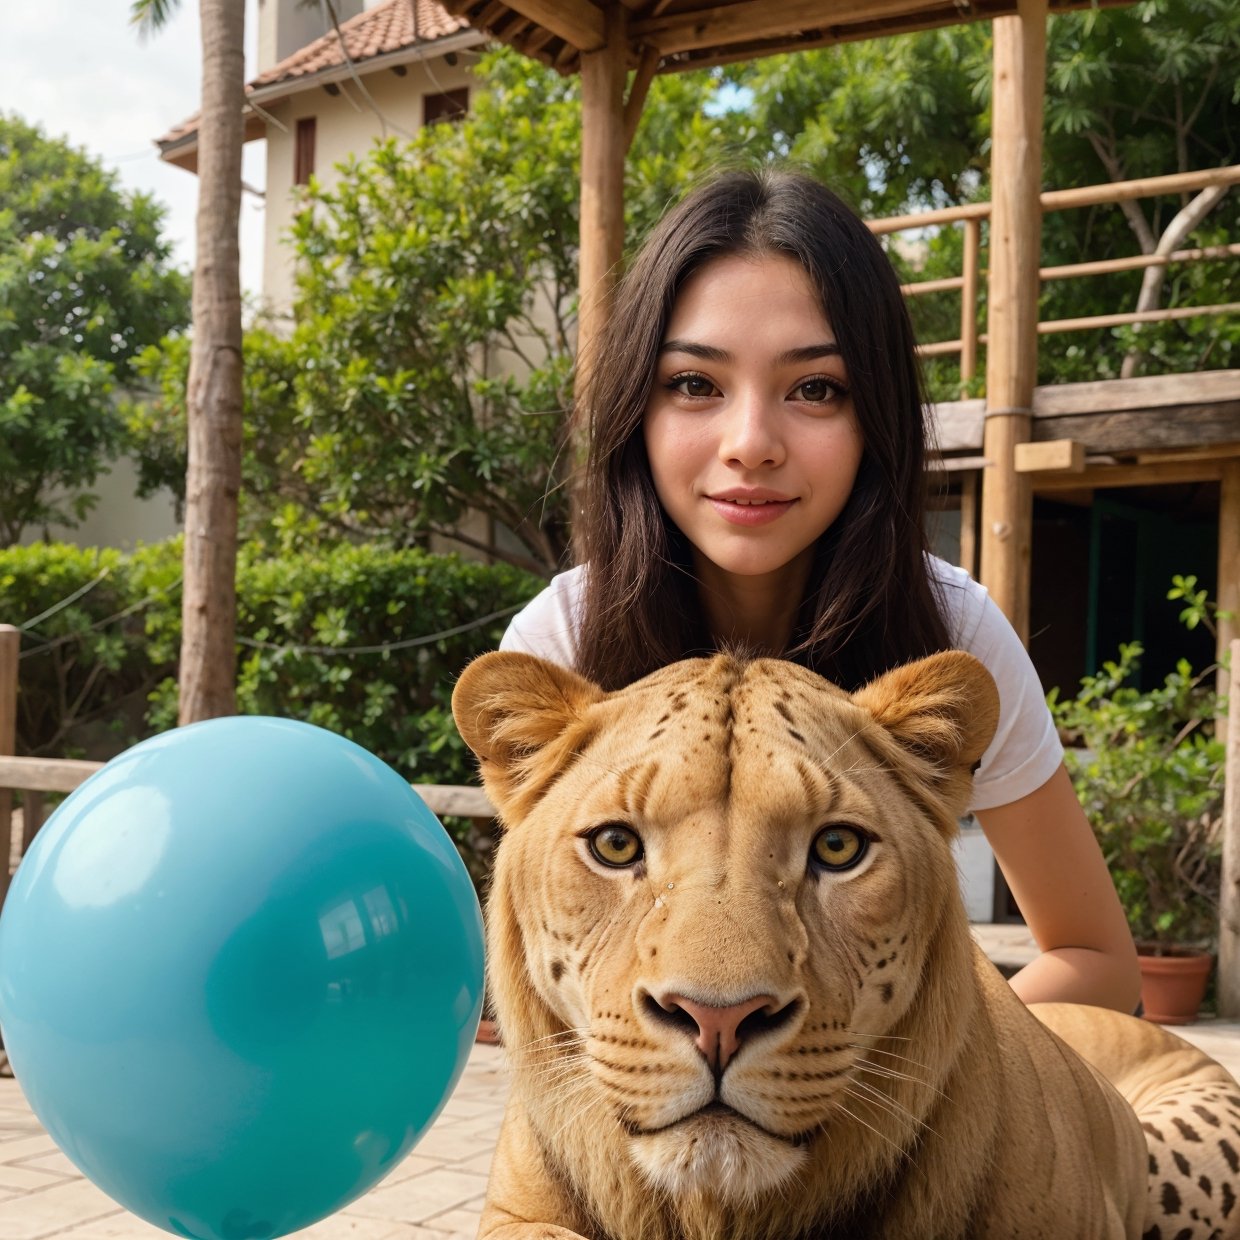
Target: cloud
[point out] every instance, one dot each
(80, 71)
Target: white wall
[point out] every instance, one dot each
(345, 126)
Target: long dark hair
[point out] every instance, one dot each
(869, 604)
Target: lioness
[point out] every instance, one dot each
(739, 993)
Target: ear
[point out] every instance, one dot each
(522, 717)
(943, 710)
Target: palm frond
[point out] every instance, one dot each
(151, 16)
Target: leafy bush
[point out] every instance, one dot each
(1149, 772)
(85, 668)
(335, 637)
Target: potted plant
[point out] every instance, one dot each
(1149, 772)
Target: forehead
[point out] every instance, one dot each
(709, 733)
(743, 293)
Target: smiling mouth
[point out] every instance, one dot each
(720, 1110)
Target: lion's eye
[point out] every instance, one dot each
(616, 845)
(839, 847)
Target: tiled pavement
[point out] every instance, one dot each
(434, 1194)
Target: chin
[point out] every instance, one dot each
(721, 1156)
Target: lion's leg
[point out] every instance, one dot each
(1188, 1107)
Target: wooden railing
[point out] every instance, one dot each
(971, 216)
(35, 777)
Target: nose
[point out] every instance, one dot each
(719, 1032)
(750, 437)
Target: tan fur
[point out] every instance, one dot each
(893, 1085)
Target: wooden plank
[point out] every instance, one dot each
(1228, 594)
(970, 511)
(755, 20)
(1050, 456)
(575, 21)
(971, 267)
(1098, 477)
(1147, 392)
(1011, 354)
(1229, 894)
(1143, 187)
(45, 774)
(459, 800)
(1182, 426)
(957, 425)
(10, 651)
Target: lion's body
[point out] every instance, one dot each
(884, 1081)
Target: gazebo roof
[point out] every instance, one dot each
(691, 34)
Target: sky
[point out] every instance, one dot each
(78, 69)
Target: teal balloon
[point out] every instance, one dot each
(240, 974)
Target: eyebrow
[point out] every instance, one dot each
(709, 353)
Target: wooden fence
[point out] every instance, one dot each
(35, 777)
(968, 282)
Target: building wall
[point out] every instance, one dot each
(342, 130)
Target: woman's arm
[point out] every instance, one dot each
(1054, 867)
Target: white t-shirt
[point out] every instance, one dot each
(1025, 752)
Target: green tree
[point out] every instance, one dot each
(86, 283)
(430, 356)
(903, 124)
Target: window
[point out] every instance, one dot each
(303, 151)
(451, 105)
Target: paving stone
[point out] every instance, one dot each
(420, 1198)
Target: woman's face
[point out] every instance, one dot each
(750, 430)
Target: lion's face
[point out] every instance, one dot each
(716, 894)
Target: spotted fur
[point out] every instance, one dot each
(884, 1081)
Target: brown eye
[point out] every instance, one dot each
(616, 845)
(838, 848)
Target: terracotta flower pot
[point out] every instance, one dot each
(487, 1032)
(1173, 983)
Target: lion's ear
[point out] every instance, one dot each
(517, 712)
(943, 709)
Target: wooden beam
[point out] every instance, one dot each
(1229, 893)
(1097, 477)
(10, 649)
(753, 20)
(970, 494)
(602, 181)
(575, 21)
(647, 67)
(1011, 354)
(1228, 594)
(1178, 427)
(45, 774)
(66, 774)
(1146, 392)
(1050, 456)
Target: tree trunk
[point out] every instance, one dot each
(1185, 220)
(213, 403)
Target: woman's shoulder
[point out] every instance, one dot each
(965, 604)
(547, 625)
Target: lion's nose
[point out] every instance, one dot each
(720, 1030)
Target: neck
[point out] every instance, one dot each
(756, 613)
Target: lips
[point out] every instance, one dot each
(750, 508)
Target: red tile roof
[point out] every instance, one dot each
(388, 27)
(391, 26)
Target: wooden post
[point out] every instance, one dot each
(1228, 575)
(1229, 893)
(603, 140)
(1012, 349)
(10, 646)
(971, 264)
(968, 521)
